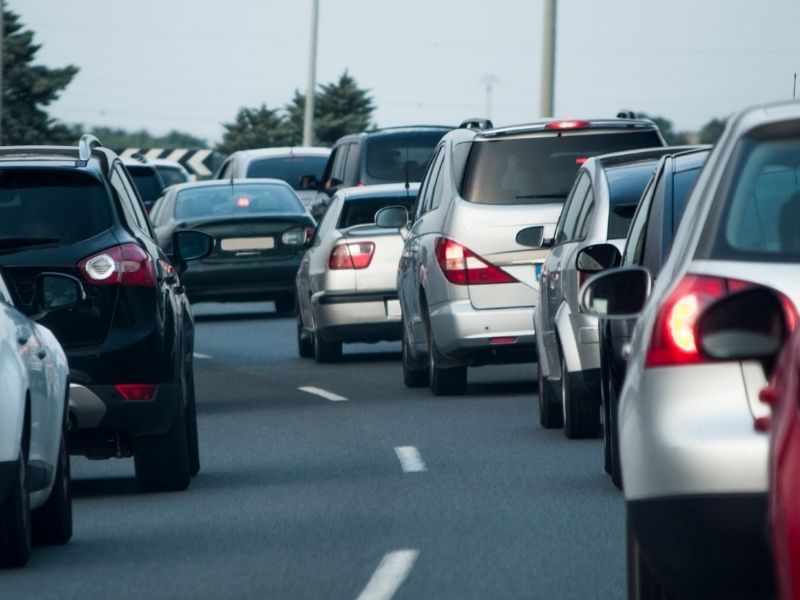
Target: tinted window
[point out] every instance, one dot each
(399, 158)
(289, 168)
(361, 211)
(171, 175)
(625, 187)
(242, 199)
(565, 228)
(538, 169)
(52, 204)
(682, 186)
(147, 182)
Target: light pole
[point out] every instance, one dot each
(489, 81)
(308, 120)
(546, 107)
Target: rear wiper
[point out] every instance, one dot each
(12, 243)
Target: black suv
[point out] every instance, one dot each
(129, 339)
(390, 155)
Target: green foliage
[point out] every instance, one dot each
(120, 138)
(254, 128)
(341, 108)
(672, 137)
(27, 88)
(711, 131)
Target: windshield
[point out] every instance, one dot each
(538, 169)
(290, 169)
(361, 211)
(399, 158)
(238, 200)
(172, 175)
(50, 207)
(147, 181)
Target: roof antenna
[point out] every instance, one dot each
(794, 90)
(408, 185)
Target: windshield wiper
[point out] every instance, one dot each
(14, 243)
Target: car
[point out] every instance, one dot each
(171, 171)
(648, 243)
(346, 284)
(381, 156)
(299, 166)
(35, 486)
(129, 341)
(693, 468)
(468, 275)
(262, 230)
(147, 181)
(756, 324)
(598, 210)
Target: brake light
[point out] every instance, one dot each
(127, 264)
(463, 267)
(298, 236)
(135, 391)
(351, 256)
(567, 124)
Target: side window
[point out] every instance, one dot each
(156, 215)
(5, 296)
(438, 186)
(585, 216)
(460, 155)
(337, 172)
(565, 229)
(225, 169)
(131, 205)
(636, 234)
(431, 179)
(351, 165)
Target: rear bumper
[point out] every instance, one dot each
(357, 317)
(710, 546)
(241, 281)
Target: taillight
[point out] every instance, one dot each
(127, 264)
(463, 267)
(357, 255)
(299, 236)
(135, 391)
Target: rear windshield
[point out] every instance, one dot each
(399, 158)
(625, 187)
(361, 211)
(147, 182)
(761, 215)
(51, 206)
(291, 169)
(226, 200)
(539, 169)
(172, 175)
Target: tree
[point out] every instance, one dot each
(672, 137)
(28, 88)
(254, 128)
(341, 108)
(120, 138)
(710, 132)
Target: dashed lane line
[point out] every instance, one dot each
(389, 575)
(410, 459)
(309, 389)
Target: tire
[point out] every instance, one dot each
(581, 413)
(642, 583)
(550, 414)
(444, 381)
(326, 352)
(285, 303)
(15, 521)
(305, 345)
(192, 438)
(162, 461)
(52, 521)
(413, 375)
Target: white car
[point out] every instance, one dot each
(35, 493)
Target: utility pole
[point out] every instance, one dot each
(489, 81)
(546, 105)
(308, 121)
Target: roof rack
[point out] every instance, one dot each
(626, 114)
(87, 143)
(476, 123)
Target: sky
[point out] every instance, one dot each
(191, 65)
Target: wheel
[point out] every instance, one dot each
(305, 345)
(550, 415)
(642, 583)
(162, 461)
(444, 381)
(581, 414)
(413, 375)
(285, 303)
(52, 521)
(15, 520)
(192, 438)
(325, 352)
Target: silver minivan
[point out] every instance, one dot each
(468, 275)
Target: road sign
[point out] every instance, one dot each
(197, 161)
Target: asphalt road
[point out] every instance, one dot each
(388, 492)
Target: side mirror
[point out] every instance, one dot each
(532, 237)
(308, 182)
(392, 217)
(54, 291)
(190, 245)
(748, 325)
(617, 294)
(598, 257)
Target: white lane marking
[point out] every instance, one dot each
(410, 459)
(389, 576)
(203, 356)
(324, 393)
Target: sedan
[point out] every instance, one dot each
(346, 283)
(262, 230)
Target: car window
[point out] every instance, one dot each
(225, 170)
(147, 182)
(682, 186)
(287, 168)
(565, 228)
(337, 172)
(361, 211)
(460, 155)
(430, 202)
(625, 186)
(241, 199)
(172, 175)
(634, 243)
(538, 169)
(351, 165)
(5, 295)
(400, 157)
(56, 206)
(585, 215)
(131, 205)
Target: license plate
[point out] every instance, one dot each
(253, 243)
(393, 308)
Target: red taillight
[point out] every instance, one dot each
(127, 264)
(356, 255)
(463, 267)
(673, 341)
(567, 124)
(580, 160)
(135, 391)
